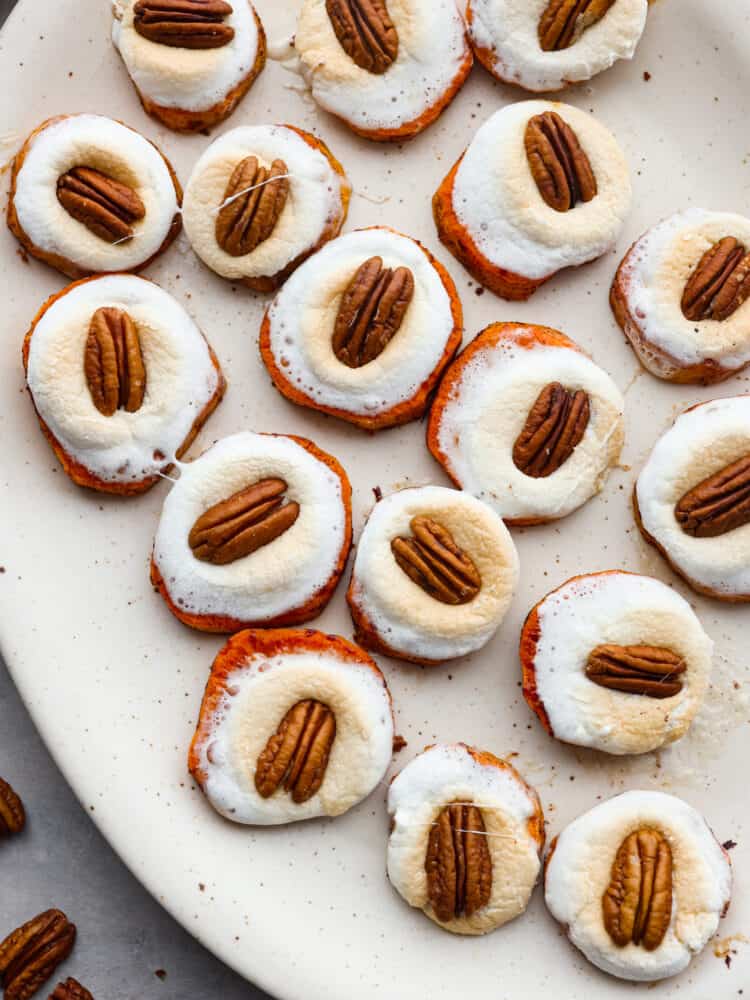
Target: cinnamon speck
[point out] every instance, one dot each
(646, 75)
(161, 974)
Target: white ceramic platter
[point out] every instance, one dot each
(114, 682)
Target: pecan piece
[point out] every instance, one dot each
(371, 312)
(113, 362)
(458, 862)
(436, 564)
(243, 523)
(719, 284)
(105, 206)
(12, 814)
(184, 24)
(637, 904)
(564, 21)
(365, 32)
(554, 428)
(559, 166)
(296, 756)
(71, 989)
(646, 670)
(32, 952)
(717, 505)
(253, 202)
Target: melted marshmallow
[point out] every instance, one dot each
(303, 316)
(116, 150)
(579, 870)
(509, 30)
(189, 79)
(623, 609)
(431, 53)
(701, 442)
(313, 205)
(279, 577)
(258, 695)
(654, 276)
(488, 408)
(444, 774)
(496, 199)
(180, 378)
(406, 618)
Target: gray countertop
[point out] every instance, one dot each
(128, 947)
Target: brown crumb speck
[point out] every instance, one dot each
(161, 974)
(646, 75)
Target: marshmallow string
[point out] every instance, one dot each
(253, 187)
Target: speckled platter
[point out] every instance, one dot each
(114, 682)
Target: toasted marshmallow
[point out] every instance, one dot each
(703, 441)
(482, 407)
(183, 380)
(314, 210)
(579, 870)
(513, 831)
(647, 298)
(193, 80)
(498, 205)
(394, 613)
(255, 680)
(285, 581)
(433, 61)
(50, 232)
(505, 38)
(297, 335)
(621, 609)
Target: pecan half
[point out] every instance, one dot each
(458, 862)
(559, 166)
(365, 32)
(296, 756)
(637, 905)
(564, 21)
(719, 284)
(436, 564)
(243, 523)
(184, 24)
(12, 814)
(32, 952)
(647, 670)
(71, 989)
(554, 428)
(252, 205)
(718, 504)
(106, 207)
(113, 362)
(371, 312)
